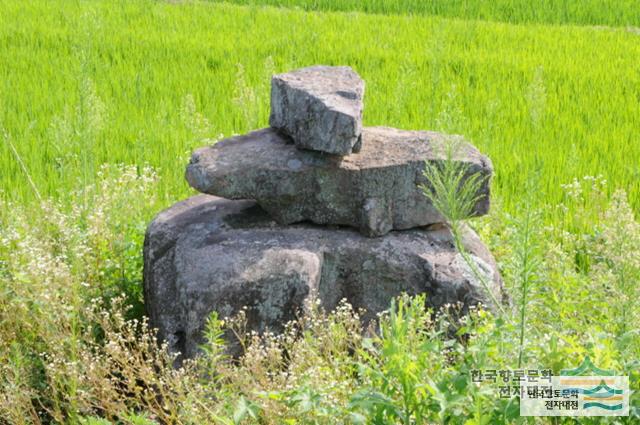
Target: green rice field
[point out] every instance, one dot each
(146, 82)
(584, 12)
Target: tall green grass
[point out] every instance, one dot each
(83, 83)
(582, 12)
(69, 355)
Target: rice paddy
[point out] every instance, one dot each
(146, 82)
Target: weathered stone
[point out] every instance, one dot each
(375, 191)
(319, 107)
(210, 254)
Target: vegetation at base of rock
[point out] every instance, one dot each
(146, 81)
(72, 351)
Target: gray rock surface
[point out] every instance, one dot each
(376, 190)
(208, 253)
(319, 107)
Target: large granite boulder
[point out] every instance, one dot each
(208, 253)
(376, 190)
(319, 107)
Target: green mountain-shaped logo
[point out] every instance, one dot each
(587, 368)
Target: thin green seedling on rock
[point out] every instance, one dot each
(454, 191)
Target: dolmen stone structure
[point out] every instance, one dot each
(316, 207)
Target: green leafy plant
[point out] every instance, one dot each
(454, 190)
(529, 259)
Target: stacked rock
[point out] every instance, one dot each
(276, 226)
